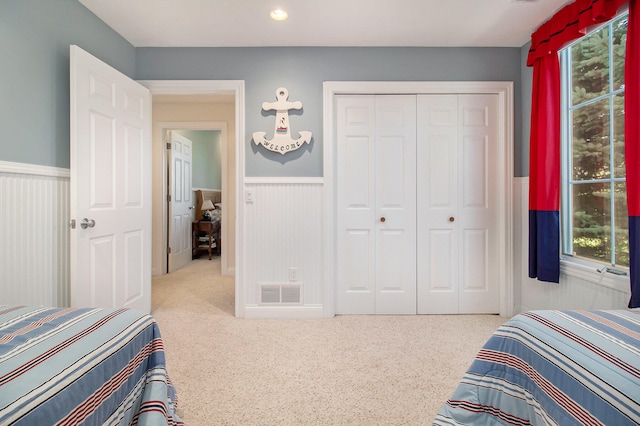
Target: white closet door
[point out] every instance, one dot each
(478, 213)
(376, 166)
(457, 211)
(438, 248)
(395, 182)
(355, 192)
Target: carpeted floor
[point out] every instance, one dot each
(347, 370)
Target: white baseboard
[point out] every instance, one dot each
(313, 311)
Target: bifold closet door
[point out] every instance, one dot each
(457, 206)
(376, 204)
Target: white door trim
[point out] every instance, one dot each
(504, 90)
(211, 87)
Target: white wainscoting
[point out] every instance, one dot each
(579, 287)
(34, 242)
(283, 230)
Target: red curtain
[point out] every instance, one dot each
(544, 172)
(568, 24)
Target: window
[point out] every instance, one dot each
(594, 207)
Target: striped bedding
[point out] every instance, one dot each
(553, 368)
(69, 366)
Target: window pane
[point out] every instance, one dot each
(591, 141)
(619, 46)
(618, 136)
(590, 67)
(592, 221)
(594, 172)
(622, 225)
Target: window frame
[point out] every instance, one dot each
(572, 265)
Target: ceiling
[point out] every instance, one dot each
(235, 23)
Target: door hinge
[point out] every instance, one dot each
(168, 250)
(169, 197)
(168, 145)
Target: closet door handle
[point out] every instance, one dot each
(382, 219)
(452, 219)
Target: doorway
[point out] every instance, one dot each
(200, 91)
(194, 164)
(161, 127)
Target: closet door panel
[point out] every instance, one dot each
(356, 287)
(479, 290)
(395, 182)
(457, 206)
(437, 204)
(442, 264)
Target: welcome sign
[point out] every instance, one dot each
(282, 141)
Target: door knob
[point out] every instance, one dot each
(382, 219)
(87, 223)
(452, 219)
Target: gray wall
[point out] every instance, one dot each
(207, 157)
(302, 70)
(34, 76)
(34, 80)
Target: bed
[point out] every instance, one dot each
(553, 368)
(91, 366)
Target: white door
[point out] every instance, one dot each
(376, 196)
(181, 203)
(110, 186)
(458, 229)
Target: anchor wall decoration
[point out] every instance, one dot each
(282, 141)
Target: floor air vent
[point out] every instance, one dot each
(281, 294)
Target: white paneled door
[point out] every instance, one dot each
(376, 201)
(181, 200)
(458, 225)
(417, 221)
(110, 186)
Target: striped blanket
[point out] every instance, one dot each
(553, 368)
(69, 366)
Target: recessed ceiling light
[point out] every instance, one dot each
(279, 15)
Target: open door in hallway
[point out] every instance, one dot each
(181, 203)
(110, 186)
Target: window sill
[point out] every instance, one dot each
(587, 271)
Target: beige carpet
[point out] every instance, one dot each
(347, 370)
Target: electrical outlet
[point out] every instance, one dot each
(293, 274)
(248, 196)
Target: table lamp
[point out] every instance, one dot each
(206, 207)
